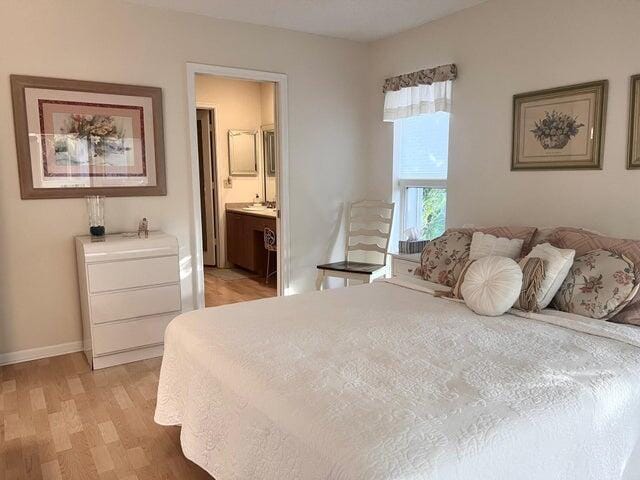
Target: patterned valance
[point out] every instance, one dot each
(428, 76)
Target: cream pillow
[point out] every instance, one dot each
(485, 244)
(491, 285)
(557, 263)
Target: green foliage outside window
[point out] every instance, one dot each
(434, 202)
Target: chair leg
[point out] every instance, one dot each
(320, 280)
(266, 277)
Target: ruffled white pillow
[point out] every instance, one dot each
(485, 244)
(491, 285)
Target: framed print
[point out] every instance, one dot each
(561, 128)
(77, 138)
(633, 160)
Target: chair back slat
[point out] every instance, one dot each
(367, 247)
(370, 219)
(367, 233)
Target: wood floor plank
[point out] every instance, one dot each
(75, 385)
(51, 470)
(59, 432)
(108, 432)
(38, 401)
(102, 459)
(9, 386)
(122, 397)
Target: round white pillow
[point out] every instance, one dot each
(492, 285)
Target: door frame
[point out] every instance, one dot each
(212, 107)
(282, 154)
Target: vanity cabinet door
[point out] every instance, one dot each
(237, 252)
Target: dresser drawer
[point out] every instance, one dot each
(108, 307)
(142, 332)
(132, 273)
(404, 268)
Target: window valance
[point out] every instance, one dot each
(427, 76)
(418, 93)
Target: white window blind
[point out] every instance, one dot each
(421, 146)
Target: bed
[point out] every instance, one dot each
(387, 381)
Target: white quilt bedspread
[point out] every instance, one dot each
(387, 382)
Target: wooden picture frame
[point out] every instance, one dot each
(560, 128)
(633, 155)
(76, 138)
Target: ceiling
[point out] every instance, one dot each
(362, 20)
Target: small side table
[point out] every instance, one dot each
(404, 264)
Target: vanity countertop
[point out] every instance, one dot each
(241, 208)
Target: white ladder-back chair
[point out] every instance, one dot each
(368, 231)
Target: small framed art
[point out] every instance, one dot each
(633, 159)
(560, 128)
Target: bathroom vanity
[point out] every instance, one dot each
(245, 235)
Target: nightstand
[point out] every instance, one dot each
(404, 264)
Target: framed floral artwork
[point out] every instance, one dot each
(77, 138)
(560, 128)
(633, 159)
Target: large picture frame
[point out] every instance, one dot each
(76, 138)
(633, 157)
(560, 128)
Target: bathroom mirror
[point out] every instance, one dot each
(243, 153)
(269, 162)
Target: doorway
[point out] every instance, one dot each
(208, 197)
(239, 171)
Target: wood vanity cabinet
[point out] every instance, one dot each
(245, 240)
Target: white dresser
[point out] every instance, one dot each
(129, 292)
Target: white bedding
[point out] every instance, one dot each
(385, 381)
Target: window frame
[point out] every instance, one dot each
(404, 184)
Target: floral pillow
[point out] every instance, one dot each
(599, 284)
(443, 258)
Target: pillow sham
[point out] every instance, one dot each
(444, 257)
(544, 234)
(557, 263)
(523, 233)
(491, 285)
(599, 284)
(485, 245)
(583, 241)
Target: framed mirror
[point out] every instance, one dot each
(243, 158)
(269, 162)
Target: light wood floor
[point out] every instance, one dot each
(60, 420)
(222, 292)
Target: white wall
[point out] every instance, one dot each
(504, 47)
(118, 42)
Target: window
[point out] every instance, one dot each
(421, 152)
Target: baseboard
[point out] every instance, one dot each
(37, 353)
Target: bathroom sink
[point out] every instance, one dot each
(259, 208)
(255, 208)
